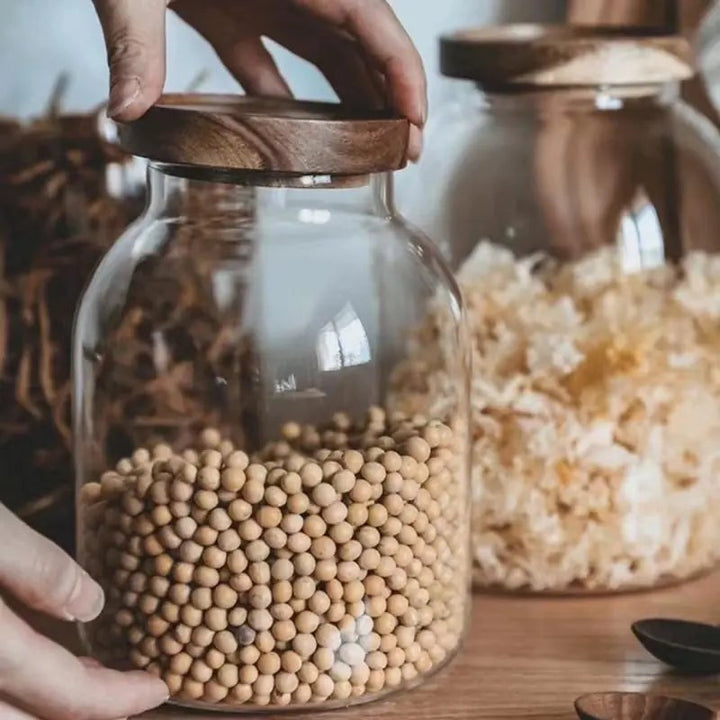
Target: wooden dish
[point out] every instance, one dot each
(637, 706)
(690, 647)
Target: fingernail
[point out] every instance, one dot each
(415, 143)
(87, 599)
(421, 111)
(123, 94)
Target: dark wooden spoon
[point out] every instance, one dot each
(687, 646)
(638, 706)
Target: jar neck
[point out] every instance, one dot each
(241, 196)
(591, 99)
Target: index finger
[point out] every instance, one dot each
(41, 575)
(388, 46)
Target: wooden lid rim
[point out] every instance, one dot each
(231, 132)
(555, 56)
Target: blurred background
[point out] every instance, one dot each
(41, 38)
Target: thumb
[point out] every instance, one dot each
(134, 33)
(42, 576)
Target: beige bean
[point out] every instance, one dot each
(249, 530)
(323, 686)
(239, 510)
(237, 561)
(232, 478)
(206, 576)
(224, 596)
(205, 535)
(213, 557)
(298, 503)
(304, 563)
(275, 497)
(229, 540)
(299, 542)
(253, 490)
(304, 645)
(259, 572)
(282, 590)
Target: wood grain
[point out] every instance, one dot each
(542, 56)
(530, 658)
(230, 132)
(660, 14)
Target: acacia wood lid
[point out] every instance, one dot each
(274, 135)
(514, 57)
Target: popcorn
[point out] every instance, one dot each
(550, 352)
(595, 403)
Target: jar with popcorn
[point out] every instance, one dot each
(270, 527)
(578, 200)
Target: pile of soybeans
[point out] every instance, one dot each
(329, 566)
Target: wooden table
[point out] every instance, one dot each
(530, 658)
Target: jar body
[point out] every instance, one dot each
(269, 528)
(583, 230)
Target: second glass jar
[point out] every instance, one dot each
(578, 200)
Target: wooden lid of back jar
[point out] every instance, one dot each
(536, 57)
(270, 135)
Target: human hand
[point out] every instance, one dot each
(39, 679)
(359, 45)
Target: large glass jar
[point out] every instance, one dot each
(578, 200)
(270, 528)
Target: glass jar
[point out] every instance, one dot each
(578, 200)
(270, 528)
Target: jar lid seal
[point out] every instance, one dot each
(536, 57)
(271, 135)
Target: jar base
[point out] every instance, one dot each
(323, 706)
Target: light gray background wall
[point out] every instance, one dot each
(41, 38)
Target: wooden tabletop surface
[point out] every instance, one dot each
(531, 657)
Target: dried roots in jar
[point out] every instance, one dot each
(59, 217)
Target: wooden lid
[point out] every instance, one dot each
(513, 57)
(274, 135)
